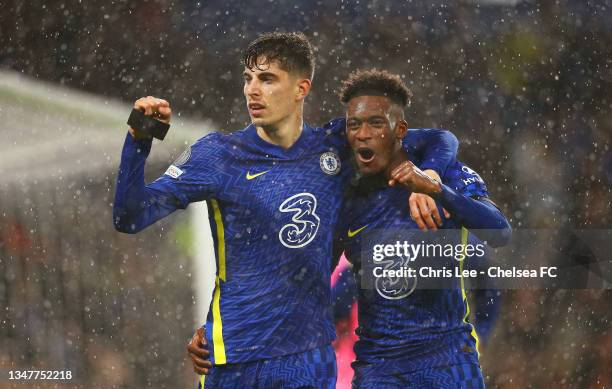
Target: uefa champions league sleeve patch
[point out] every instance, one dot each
(173, 171)
(330, 163)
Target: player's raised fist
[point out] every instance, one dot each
(413, 178)
(423, 209)
(158, 108)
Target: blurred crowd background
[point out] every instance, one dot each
(525, 86)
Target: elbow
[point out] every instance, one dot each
(505, 236)
(502, 235)
(506, 231)
(127, 229)
(123, 225)
(450, 139)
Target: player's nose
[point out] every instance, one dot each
(252, 88)
(363, 133)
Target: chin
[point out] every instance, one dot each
(368, 170)
(260, 122)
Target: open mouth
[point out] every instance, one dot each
(365, 155)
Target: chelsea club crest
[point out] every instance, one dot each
(330, 163)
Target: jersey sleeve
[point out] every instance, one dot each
(339, 243)
(431, 148)
(464, 194)
(195, 174)
(486, 296)
(488, 307)
(335, 130)
(344, 292)
(465, 181)
(193, 177)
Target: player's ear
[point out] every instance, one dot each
(400, 129)
(303, 88)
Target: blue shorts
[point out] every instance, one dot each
(313, 369)
(461, 376)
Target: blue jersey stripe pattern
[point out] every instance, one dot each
(272, 213)
(426, 328)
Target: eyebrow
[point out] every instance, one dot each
(259, 75)
(383, 117)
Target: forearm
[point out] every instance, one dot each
(488, 305)
(344, 293)
(476, 215)
(136, 206)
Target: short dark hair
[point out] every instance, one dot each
(292, 50)
(375, 82)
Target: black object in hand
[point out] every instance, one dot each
(147, 125)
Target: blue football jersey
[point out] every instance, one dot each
(272, 212)
(422, 327)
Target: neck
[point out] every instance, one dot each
(399, 156)
(284, 133)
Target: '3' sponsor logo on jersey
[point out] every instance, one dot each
(304, 223)
(395, 288)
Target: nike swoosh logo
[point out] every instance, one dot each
(250, 176)
(353, 233)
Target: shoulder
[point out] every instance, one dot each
(334, 132)
(422, 130)
(219, 141)
(464, 179)
(207, 145)
(419, 134)
(208, 140)
(334, 126)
